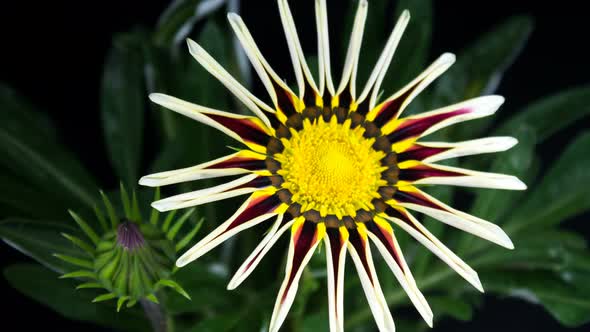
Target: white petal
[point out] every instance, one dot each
(258, 253)
(215, 69)
(290, 284)
(438, 248)
(262, 67)
(295, 48)
(354, 49)
(471, 178)
(222, 233)
(479, 107)
(207, 195)
(462, 220)
(416, 86)
(472, 147)
(372, 289)
(386, 56)
(321, 14)
(198, 172)
(336, 280)
(405, 279)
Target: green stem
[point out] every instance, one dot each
(156, 315)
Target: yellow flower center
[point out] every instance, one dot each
(331, 168)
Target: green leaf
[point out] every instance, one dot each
(551, 114)
(39, 240)
(318, 321)
(562, 192)
(217, 323)
(565, 296)
(452, 307)
(480, 67)
(178, 20)
(44, 286)
(17, 197)
(123, 105)
(30, 150)
(551, 250)
(206, 288)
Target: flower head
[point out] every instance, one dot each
(129, 258)
(337, 166)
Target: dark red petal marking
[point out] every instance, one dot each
(303, 241)
(419, 152)
(391, 109)
(256, 207)
(416, 127)
(336, 244)
(258, 182)
(344, 99)
(284, 100)
(394, 213)
(244, 128)
(360, 245)
(424, 171)
(240, 162)
(414, 198)
(386, 238)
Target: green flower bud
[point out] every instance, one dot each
(131, 259)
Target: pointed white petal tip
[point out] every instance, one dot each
(492, 103)
(502, 143)
(501, 238)
(161, 99)
(183, 261)
(233, 17)
(162, 207)
(148, 181)
(405, 15)
(193, 47)
(429, 320)
(447, 58)
(232, 285)
(516, 184)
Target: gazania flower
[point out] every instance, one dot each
(335, 165)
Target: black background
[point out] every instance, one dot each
(53, 54)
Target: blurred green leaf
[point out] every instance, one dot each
(552, 250)
(566, 295)
(16, 199)
(177, 21)
(562, 192)
(217, 323)
(39, 240)
(206, 289)
(479, 68)
(448, 306)
(123, 105)
(30, 149)
(61, 296)
(551, 114)
(318, 321)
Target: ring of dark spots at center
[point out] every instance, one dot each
(381, 143)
